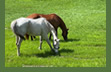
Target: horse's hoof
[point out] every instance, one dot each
(18, 55)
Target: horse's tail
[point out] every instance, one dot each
(15, 30)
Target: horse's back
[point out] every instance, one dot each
(37, 27)
(20, 22)
(22, 25)
(34, 16)
(42, 22)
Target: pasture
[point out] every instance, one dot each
(86, 45)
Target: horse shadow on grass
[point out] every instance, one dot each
(70, 40)
(48, 53)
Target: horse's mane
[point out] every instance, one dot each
(62, 24)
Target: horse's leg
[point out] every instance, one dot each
(32, 38)
(17, 38)
(50, 36)
(27, 36)
(18, 46)
(40, 43)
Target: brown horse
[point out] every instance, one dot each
(55, 20)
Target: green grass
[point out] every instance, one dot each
(86, 47)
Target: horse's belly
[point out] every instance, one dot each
(34, 31)
(34, 34)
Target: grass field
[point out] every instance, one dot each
(86, 45)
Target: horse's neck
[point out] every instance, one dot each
(52, 30)
(62, 24)
(54, 34)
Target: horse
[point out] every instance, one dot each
(34, 27)
(55, 20)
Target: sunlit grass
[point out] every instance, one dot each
(86, 45)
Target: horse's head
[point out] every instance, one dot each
(64, 34)
(56, 45)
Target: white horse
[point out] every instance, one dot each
(34, 27)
